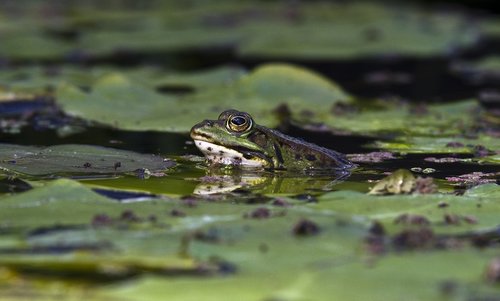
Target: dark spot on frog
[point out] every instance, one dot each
(221, 153)
(310, 157)
(208, 148)
(87, 165)
(305, 227)
(247, 156)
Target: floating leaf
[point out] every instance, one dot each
(117, 101)
(445, 145)
(441, 119)
(76, 159)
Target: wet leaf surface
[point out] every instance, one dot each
(103, 240)
(117, 101)
(77, 160)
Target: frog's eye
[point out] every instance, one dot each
(239, 123)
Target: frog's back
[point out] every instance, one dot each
(297, 153)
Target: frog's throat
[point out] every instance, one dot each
(218, 154)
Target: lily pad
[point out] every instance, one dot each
(311, 31)
(358, 30)
(479, 202)
(111, 240)
(439, 120)
(117, 101)
(74, 159)
(24, 80)
(444, 145)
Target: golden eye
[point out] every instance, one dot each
(239, 123)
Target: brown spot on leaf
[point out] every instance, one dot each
(129, 216)
(411, 219)
(305, 227)
(101, 220)
(492, 273)
(259, 213)
(411, 239)
(177, 213)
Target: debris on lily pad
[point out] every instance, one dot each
(475, 178)
(403, 181)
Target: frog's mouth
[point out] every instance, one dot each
(218, 154)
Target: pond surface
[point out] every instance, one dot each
(104, 196)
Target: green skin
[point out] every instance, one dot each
(270, 148)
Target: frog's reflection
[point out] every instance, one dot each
(267, 182)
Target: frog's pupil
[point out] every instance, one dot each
(238, 120)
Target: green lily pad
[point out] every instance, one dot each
(312, 30)
(253, 248)
(117, 101)
(480, 202)
(358, 30)
(32, 45)
(441, 119)
(445, 145)
(41, 80)
(76, 159)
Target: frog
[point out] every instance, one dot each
(400, 181)
(235, 139)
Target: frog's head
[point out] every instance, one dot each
(226, 140)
